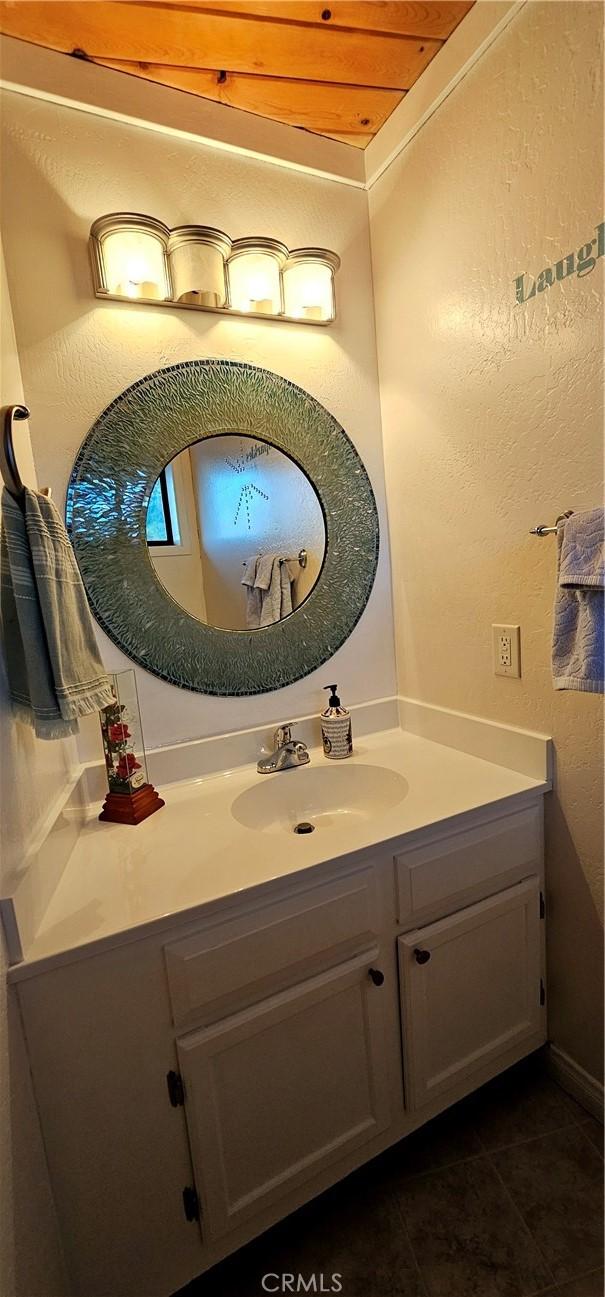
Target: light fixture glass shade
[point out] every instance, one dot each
(254, 269)
(130, 256)
(308, 279)
(138, 258)
(197, 263)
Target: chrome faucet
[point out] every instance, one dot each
(287, 753)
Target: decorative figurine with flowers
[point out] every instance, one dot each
(131, 798)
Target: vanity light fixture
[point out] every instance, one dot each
(197, 256)
(254, 269)
(129, 257)
(308, 281)
(195, 267)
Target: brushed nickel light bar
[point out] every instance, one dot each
(137, 258)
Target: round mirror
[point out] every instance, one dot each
(235, 532)
(261, 472)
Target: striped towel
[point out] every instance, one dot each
(578, 649)
(54, 670)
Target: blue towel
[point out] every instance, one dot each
(578, 633)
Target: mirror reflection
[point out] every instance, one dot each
(235, 532)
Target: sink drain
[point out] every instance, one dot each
(304, 827)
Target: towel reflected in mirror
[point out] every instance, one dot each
(268, 579)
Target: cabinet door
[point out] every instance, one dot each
(283, 1089)
(470, 989)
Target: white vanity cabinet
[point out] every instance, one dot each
(471, 988)
(302, 1027)
(284, 1089)
(289, 1070)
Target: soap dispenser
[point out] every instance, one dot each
(336, 730)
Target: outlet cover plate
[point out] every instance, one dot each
(506, 650)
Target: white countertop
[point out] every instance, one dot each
(193, 852)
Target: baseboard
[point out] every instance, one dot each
(580, 1084)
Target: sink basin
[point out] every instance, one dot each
(326, 797)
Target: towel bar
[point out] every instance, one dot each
(301, 558)
(543, 530)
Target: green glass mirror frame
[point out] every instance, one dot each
(111, 481)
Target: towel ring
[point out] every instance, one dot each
(8, 461)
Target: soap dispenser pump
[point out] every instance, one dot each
(336, 730)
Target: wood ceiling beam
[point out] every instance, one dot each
(316, 106)
(108, 30)
(434, 18)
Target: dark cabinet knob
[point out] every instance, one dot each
(422, 956)
(376, 975)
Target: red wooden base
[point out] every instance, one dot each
(124, 808)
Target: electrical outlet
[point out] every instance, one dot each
(506, 643)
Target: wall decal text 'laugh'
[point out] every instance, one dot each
(580, 264)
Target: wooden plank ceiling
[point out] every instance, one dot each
(335, 67)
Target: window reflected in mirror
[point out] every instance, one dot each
(162, 511)
(235, 532)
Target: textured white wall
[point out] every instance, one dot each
(492, 422)
(77, 354)
(31, 776)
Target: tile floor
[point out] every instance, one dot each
(501, 1196)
